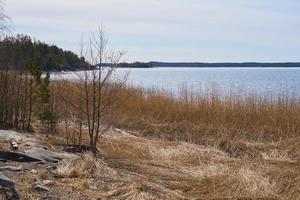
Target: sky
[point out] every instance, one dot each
(169, 30)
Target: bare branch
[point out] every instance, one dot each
(98, 96)
(3, 20)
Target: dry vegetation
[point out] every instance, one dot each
(205, 146)
(199, 118)
(134, 167)
(192, 147)
(208, 118)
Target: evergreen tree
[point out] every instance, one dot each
(43, 96)
(19, 51)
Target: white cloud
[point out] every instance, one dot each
(226, 24)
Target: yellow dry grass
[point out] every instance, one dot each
(208, 116)
(198, 147)
(140, 168)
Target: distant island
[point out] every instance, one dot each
(134, 65)
(200, 64)
(17, 52)
(154, 64)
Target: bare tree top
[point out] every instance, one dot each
(3, 19)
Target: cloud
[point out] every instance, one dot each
(196, 30)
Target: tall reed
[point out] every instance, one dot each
(208, 115)
(200, 117)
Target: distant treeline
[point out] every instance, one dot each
(20, 51)
(198, 64)
(247, 64)
(131, 65)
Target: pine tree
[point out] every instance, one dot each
(43, 96)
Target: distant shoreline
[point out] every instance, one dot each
(154, 64)
(229, 65)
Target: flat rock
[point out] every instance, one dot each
(28, 139)
(8, 187)
(44, 155)
(32, 150)
(17, 157)
(6, 182)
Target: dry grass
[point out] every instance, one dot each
(203, 118)
(197, 147)
(84, 167)
(199, 118)
(133, 167)
(184, 170)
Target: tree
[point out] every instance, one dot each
(3, 20)
(99, 86)
(43, 96)
(16, 100)
(22, 49)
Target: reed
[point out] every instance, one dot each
(208, 115)
(205, 117)
(207, 144)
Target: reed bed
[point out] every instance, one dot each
(209, 115)
(236, 122)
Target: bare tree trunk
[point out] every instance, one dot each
(94, 83)
(30, 105)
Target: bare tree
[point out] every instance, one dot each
(99, 86)
(3, 20)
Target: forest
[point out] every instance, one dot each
(134, 65)
(19, 51)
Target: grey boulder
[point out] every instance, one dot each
(8, 186)
(43, 155)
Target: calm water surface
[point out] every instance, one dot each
(263, 81)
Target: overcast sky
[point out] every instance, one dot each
(169, 30)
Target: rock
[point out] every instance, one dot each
(34, 171)
(44, 155)
(11, 168)
(6, 182)
(17, 157)
(8, 186)
(25, 138)
(39, 187)
(34, 151)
